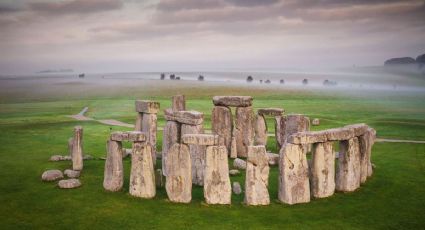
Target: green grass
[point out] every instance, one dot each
(34, 130)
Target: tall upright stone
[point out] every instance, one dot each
(142, 176)
(233, 149)
(138, 124)
(171, 135)
(279, 130)
(178, 183)
(178, 103)
(348, 171)
(257, 176)
(217, 188)
(293, 175)
(295, 123)
(149, 126)
(222, 124)
(70, 144)
(77, 149)
(114, 173)
(365, 144)
(197, 153)
(244, 129)
(260, 130)
(322, 170)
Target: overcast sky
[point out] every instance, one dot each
(167, 35)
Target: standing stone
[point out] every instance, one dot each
(138, 124)
(373, 138)
(348, 172)
(149, 126)
(217, 188)
(279, 130)
(365, 144)
(222, 124)
(197, 154)
(260, 130)
(77, 149)
(244, 130)
(171, 135)
(236, 187)
(114, 173)
(233, 149)
(257, 176)
(70, 144)
(178, 103)
(296, 123)
(323, 170)
(142, 176)
(293, 175)
(179, 176)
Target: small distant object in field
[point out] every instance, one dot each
(162, 76)
(261, 81)
(315, 122)
(267, 81)
(329, 83)
(172, 77)
(282, 81)
(200, 78)
(249, 79)
(178, 78)
(81, 75)
(305, 81)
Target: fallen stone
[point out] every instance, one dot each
(239, 164)
(315, 122)
(217, 188)
(308, 137)
(273, 158)
(348, 170)
(234, 172)
(52, 175)
(222, 124)
(178, 103)
(77, 149)
(87, 157)
(236, 187)
(69, 183)
(244, 130)
(56, 158)
(197, 154)
(71, 173)
(200, 139)
(146, 106)
(270, 112)
(236, 101)
(358, 129)
(171, 135)
(179, 176)
(113, 175)
(322, 179)
(142, 175)
(66, 158)
(257, 176)
(260, 130)
(339, 134)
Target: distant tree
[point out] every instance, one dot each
(282, 81)
(178, 78)
(261, 81)
(172, 77)
(305, 81)
(249, 79)
(267, 81)
(329, 83)
(162, 76)
(200, 78)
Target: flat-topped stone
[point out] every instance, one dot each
(358, 129)
(200, 139)
(69, 183)
(270, 112)
(147, 106)
(185, 117)
(339, 134)
(52, 175)
(236, 101)
(119, 136)
(308, 137)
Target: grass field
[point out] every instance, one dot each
(34, 126)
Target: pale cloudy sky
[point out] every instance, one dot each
(173, 35)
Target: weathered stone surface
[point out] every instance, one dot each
(169, 115)
(70, 144)
(234, 172)
(159, 178)
(293, 175)
(295, 123)
(315, 122)
(142, 175)
(184, 117)
(236, 187)
(260, 129)
(179, 174)
(136, 136)
(77, 149)
(71, 173)
(257, 176)
(239, 164)
(339, 134)
(217, 188)
(233, 149)
(69, 183)
(197, 154)
(146, 106)
(270, 112)
(178, 103)
(244, 130)
(57, 158)
(222, 124)
(114, 173)
(279, 129)
(88, 157)
(308, 137)
(126, 152)
(236, 101)
(322, 178)
(149, 126)
(370, 165)
(52, 175)
(200, 139)
(365, 146)
(138, 123)
(348, 171)
(358, 129)
(119, 136)
(273, 158)
(171, 135)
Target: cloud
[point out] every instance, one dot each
(75, 6)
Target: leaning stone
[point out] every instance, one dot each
(315, 122)
(270, 112)
(348, 171)
(149, 126)
(217, 189)
(119, 136)
(339, 134)
(233, 149)
(52, 175)
(179, 176)
(358, 129)
(71, 173)
(171, 135)
(244, 130)
(113, 178)
(279, 129)
(178, 103)
(308, 137)
(77, 149)
(56, 158)
(239, 164)
(136, 136)
(293, 175)
(69, 183)
(260, 137)
(273, 158)
(142, 175)
(322, 180)
(257, 176)
(159, 178)
(234, 172)
(197, 154)
(146, 106)
(236, 187)
(189, 117)
(236, 101)
(222, 124)
(200, 139)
